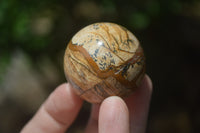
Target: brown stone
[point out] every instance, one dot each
(102, 60)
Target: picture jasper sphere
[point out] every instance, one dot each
(102, 60)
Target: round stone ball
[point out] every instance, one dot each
(102, 60)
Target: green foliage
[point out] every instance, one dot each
(109, 6)
(41, 26)
(153, 8)
(4, 61)
(15, 24)
(21, 27)
(139, 20)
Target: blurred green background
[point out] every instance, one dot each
(34, 35)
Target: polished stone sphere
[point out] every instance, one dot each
(102, 60)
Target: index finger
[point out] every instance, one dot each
(138, 105)
(57, 113)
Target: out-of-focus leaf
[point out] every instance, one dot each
(176, 6)
(3, 7)
(139, 20)
(4, 61)
(108, 6)
(153, 8)
(21, 27)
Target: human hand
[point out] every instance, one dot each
(113, 115)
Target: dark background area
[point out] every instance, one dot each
(34, 35)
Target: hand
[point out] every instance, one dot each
(114, 115)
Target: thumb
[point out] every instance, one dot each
(114, 116)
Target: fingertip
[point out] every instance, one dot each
(114, 115)
(63, 98)
(114, 105)
(63, 101)
(148, 82)
(113, 102)
(145, 88)
(138, 104)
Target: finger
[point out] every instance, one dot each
(92, 126)
(57, 113)
(113, 116)
(138, 105)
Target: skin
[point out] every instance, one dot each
(114, 114)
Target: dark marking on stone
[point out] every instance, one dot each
(96, 51)
(93, 58)
(95, 26)
(99, 89)
(104, 57)
(109, 54)
(124, 71)
(102, 67)
(139, 63)
(129, 40)
(78, 44)
(112, 61)
(90, 40)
